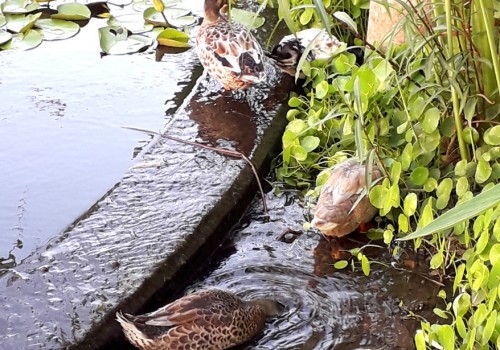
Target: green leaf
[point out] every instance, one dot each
(56, 29)
(323, 15)
(462, 186)
(4, 37)
(347, 20)
(285, 13)
(27, 41)
(430, 120)
(446, 337)
(21, 23)
(483, 171)
(419, 175)
(440, 313)
(72, 12)
(492, 136)
(461, 212)
(247, 18)
(420, 340)
(379, 195)
(173, 38)
(297, 126)
(410, 204)
(18, 6)
(489, 328)
(437, 260)
(403, 223)
(459, 274)
(461, 304)
(443, 193)
(341, 264)
(310, 143)
(321, 90)
(299, 153)
(365, 264)
(114, 41)
(494, 255)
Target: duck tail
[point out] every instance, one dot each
(134, 334)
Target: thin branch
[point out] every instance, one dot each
(223, 151)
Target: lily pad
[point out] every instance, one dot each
(246, 18)
(19, 6)
(114, 40)
(2, 20)
(174, 16)
(26, 41)
(173, 38)
(72, 12)
(21, 23)
(57, 29)
(134, 22)
(4, 37)
(142, 5)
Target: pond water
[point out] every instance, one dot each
(274, 257)
(62, 146)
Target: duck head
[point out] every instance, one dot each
(213, 9)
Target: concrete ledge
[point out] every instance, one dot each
(150, 232)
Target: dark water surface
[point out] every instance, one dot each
(274, 257)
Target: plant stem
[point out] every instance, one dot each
(464, 152)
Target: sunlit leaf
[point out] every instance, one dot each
(173, 38)
(492, 136)
(21, 23)
(431, 120)
(18, 6)
(57, 29)
(419, 176)
(2, 20)
(483, 170)
(72, 12)
(341, 264)
(4, 36)
(310, 143)
(28, 40)
(446, 337)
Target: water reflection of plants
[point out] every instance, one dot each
(428, 113)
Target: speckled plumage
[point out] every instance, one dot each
(227, 50)
(210, 320)
(345, 184)
(288, 51)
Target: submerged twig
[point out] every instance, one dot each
(224, 151)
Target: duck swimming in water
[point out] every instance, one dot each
(227, 50)
(210, 320)
(288, 51)
(335, 213)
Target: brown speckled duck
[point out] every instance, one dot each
(346, 183)
(227, 50)
(210, 320)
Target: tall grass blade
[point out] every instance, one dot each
(459, 213)
(284, 9)
(323, 15)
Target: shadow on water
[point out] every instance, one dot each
(273, 257)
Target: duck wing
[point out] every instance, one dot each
(346, 181)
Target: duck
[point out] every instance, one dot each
(339, 210)
(211, 319)
(227, 50)
(287, 53)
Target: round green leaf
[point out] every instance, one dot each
(483, 171)
(419, 175)
(495, 254)
(246, 18)
(446, 337)
(410, 204)
(341, 264)
(19, 6)
(379, 195)
(72, 12)
(171, 14)
(57, 29)
(492, 136)
(21, 23)
(114, 41)
(299, 153)
(29, 40)
(471, 135)
(431, 120)
(4, 36)
(443, 193)
(310, 143)
(321, 90)
(134, 22)
(173, 38)
(297, 126)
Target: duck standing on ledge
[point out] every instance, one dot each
(289, 50)
(227, 50)
(335, 213)
(210, 320)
